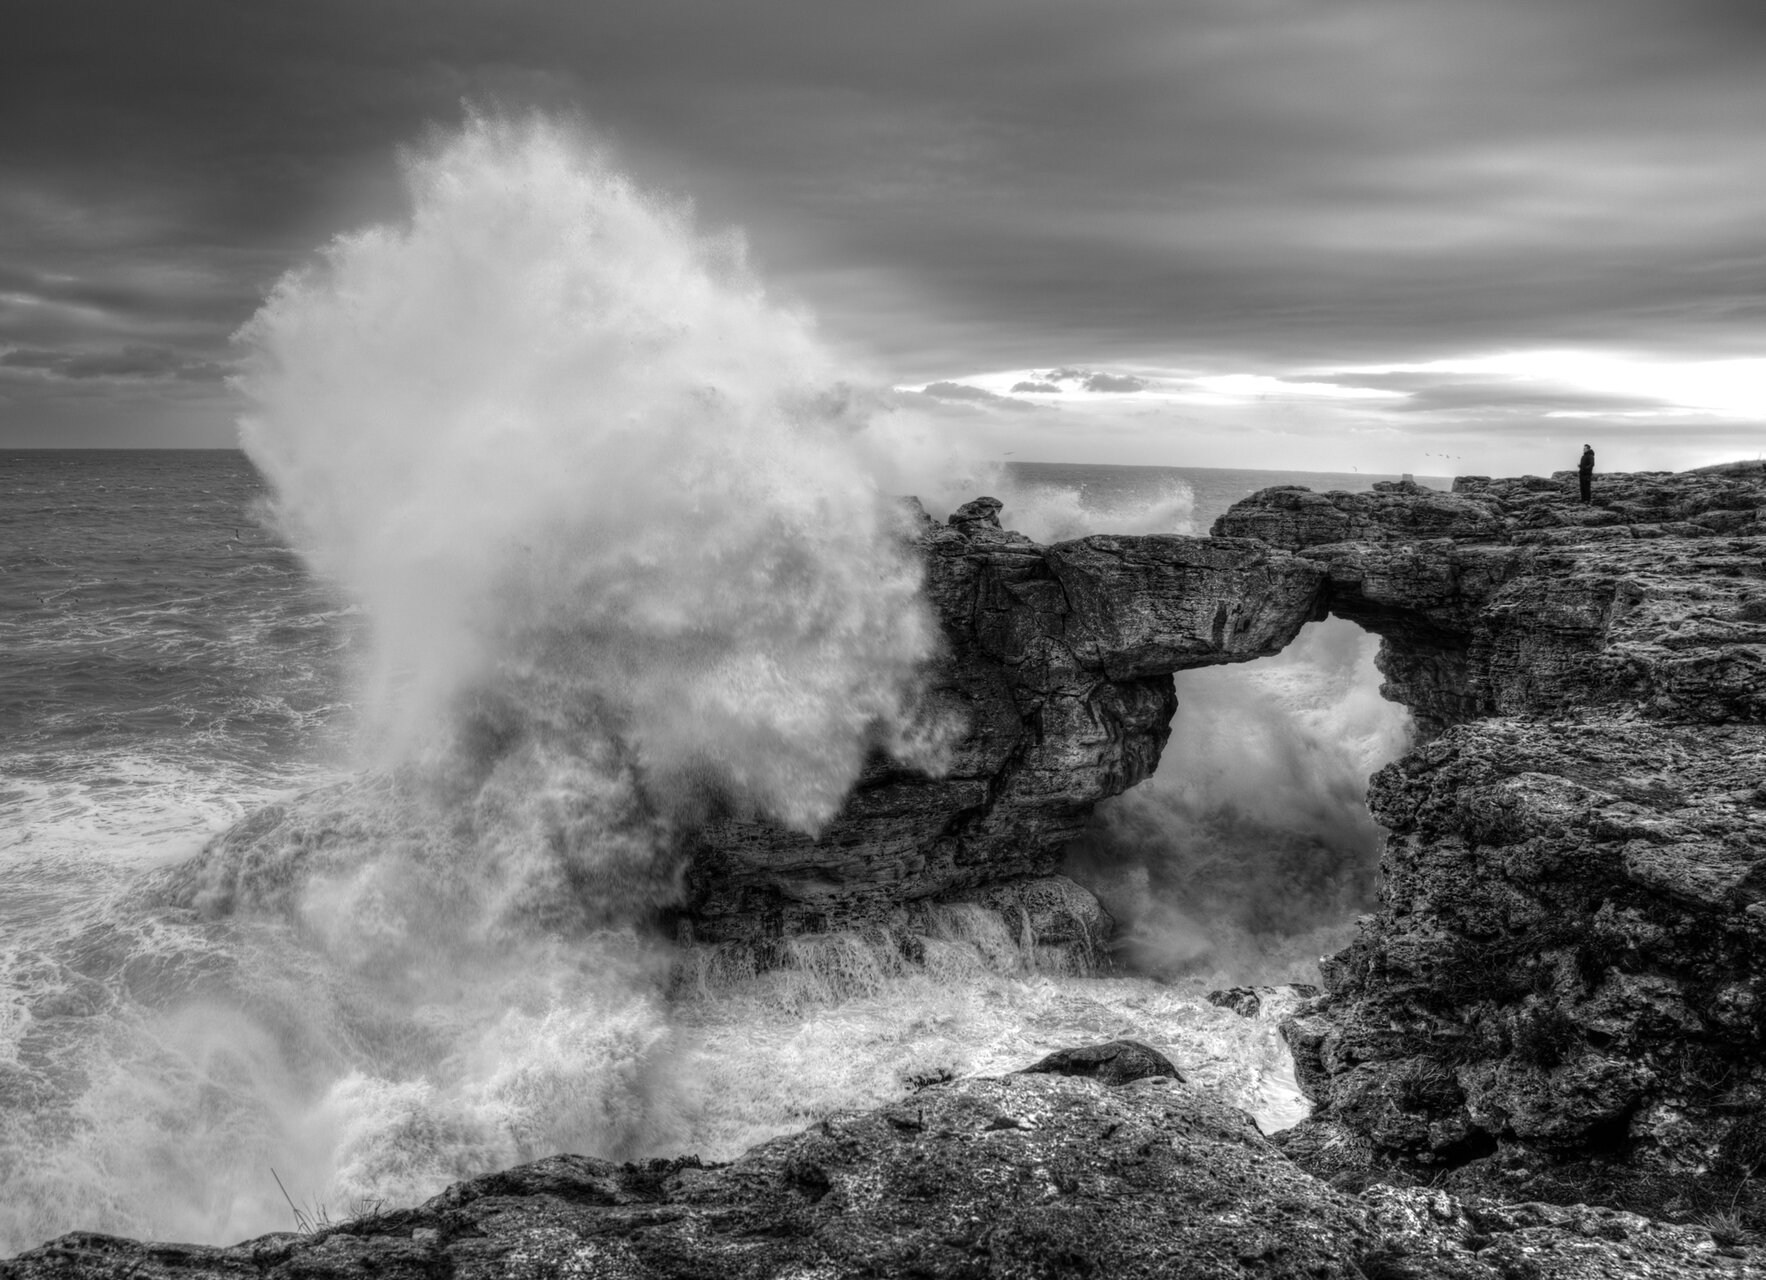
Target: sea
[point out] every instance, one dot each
(169, 666)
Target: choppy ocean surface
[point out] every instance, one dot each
(167, 666)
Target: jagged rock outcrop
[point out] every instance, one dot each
(1027, 1175)
(1059, 662)
(1251, 1002)
(1566, 977)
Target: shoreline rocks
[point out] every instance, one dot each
(1023, 1175)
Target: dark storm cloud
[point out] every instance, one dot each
(1115, 382)
(1222, 183)
(1095, 380)
(130, 362)
(973, 395)
(956, 391)
(1432, 392)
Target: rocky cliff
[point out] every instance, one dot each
(1564, 980)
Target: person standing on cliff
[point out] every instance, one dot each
(1585, 471)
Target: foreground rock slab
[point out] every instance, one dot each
(1029, 1175)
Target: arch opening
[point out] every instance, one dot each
(1250, 851)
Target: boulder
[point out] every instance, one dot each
(1118, 1062)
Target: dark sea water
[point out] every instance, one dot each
(167, 666)
(166, 660)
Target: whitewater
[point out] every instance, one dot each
(552, 536)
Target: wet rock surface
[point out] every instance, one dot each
(1027, 1175)
(1118, 1062)
(1252, 1002)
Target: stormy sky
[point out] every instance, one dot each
(1420, 235)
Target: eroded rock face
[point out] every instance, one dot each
(1569, 952)
(1568, 963)
(1059, 662)
(1028, 1175)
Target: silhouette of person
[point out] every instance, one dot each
(1585, 471)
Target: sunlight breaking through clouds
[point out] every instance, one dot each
(1734, 387)
(1468, 414)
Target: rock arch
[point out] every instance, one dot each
(1059, 661)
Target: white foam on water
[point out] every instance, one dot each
(125, 807)
(1051, 513)
(223, 1052)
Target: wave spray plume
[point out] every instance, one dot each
(578, 466)
(632, 552)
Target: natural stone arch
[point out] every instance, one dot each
(1059, 661)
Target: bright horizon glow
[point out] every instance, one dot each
(1483, 413)
(1733, 387)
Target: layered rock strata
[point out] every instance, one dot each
(1027, 1175)
(1568, 963)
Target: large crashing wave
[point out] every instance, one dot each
(633, 552)
(629, 540)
